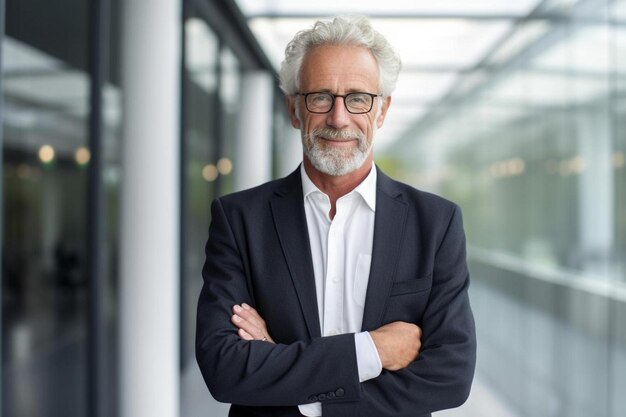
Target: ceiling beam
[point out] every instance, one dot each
(551, 17)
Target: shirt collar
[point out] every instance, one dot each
(367, 188)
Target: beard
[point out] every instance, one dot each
(332, 160)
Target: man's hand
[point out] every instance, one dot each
(398, 344)
(250, 324)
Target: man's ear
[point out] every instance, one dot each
(383, 111)
(291, 108)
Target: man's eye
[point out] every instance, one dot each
(322, 98)
(358, 99)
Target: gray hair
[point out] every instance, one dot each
(352, 31)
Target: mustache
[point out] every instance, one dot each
(336, 134)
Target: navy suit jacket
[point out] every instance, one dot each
(258, 252)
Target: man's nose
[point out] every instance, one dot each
(338, 117)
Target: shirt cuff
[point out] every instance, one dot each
(311, 410)
(368, 363)
(367, 358)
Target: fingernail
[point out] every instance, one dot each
(246, 306)
(236, 318)
(237, 308)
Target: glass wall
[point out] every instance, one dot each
(212, 87)
(200, 172)
(46, 158)
(531, 144)
(46, 164)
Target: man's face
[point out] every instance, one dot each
(338, 142)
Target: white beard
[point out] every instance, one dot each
(335, 161)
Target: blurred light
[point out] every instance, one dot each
(82, 156)
(436, 176)
(578, 164)
(224, 166)
(210, 172)
(572, 166)
(46, 154)
(507, 168)
(516, 166)
(619, 160)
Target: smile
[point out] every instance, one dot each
(338, 142)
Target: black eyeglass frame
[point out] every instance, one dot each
(334, 96)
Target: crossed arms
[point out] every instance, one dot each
(398, 343)
(240, 368)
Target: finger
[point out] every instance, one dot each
(251, 314)
(248, 316)
(244, 335)
(248, 313)
(247, 326)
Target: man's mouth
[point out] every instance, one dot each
(337, 142)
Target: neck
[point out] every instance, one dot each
(337, 186)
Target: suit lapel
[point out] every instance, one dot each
(389, 223)
(290, 220)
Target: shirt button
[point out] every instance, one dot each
(333, 332)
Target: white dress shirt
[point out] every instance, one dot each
(341, 250)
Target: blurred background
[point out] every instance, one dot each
(112, 108)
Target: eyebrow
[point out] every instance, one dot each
(349, 91)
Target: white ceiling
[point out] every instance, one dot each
(377, 8)
(448, 47)
(452, 47)
(439, 42)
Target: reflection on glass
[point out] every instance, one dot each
(44, 240)
(200, 121)
(224, 166)
(531, 145)
(45, 190)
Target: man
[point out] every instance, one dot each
(336, 291)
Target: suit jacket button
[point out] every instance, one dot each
(339, 392)
(313, 398)
(330, 395)
(321, 397)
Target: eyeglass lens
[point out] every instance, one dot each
(354, 102)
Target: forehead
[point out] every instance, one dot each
(339, 68)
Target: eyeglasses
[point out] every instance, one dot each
(356, 103)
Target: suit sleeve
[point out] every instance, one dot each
(257, 373)
(441, 376)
